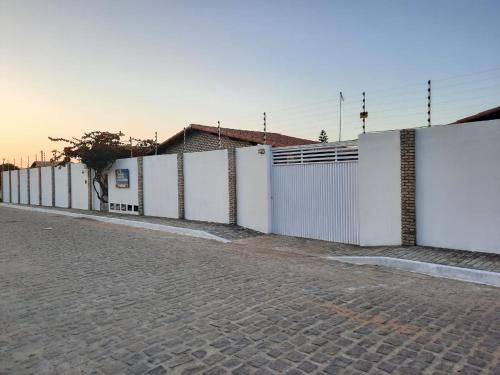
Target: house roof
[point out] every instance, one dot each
(45, 163)
(489, 114)
(273, 139)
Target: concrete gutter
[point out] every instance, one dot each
(432, 269)
(127, 222)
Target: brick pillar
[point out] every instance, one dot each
(89, 191)
(40, 186)
(29, 184)
(69, 185)
(140, 183)
(408, 215)
(53, 181)
(18, 186)
(10, 186)
(231, 172)
(180, 184)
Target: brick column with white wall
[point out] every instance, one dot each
(231, 170)
(140, 184)
(180, 185)
(408, 213)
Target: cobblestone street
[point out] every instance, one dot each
(85, 297)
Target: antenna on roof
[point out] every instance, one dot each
(218, 130)
(265, 134)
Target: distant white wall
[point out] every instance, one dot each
(5, 187)
(124, 197)
(34, 200)
(206, 195)
(458, 186)
(379, 189)
(253, 188)
(79, 187)
(61, 186)
(14, 186)
(23, 185)
(46, 186)
(160, 186)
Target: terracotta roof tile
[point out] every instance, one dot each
(256, 137)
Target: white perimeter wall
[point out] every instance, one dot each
(79, 187)
(253, 188)
(61, 186)
(23, 185)
(34, 187)
(160, 186)
(46, 186)
(5, 187)
(379, 189)
(14, 186)
(458, 186)
(206, 195)
(124, 196)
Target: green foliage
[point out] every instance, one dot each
(323, 137)
(98, 151)
(7, 167)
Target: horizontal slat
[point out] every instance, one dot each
(320, 153)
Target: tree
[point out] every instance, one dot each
(98, 151)
(7, 167)
(323, 137)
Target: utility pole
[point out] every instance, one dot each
(341, 99)
(429, 103)
(265, 134)
(130, 140)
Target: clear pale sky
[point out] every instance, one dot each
(143, 66)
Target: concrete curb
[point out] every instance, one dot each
(130, 223)
(432, 269)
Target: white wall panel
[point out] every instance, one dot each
(160, 186)
(61, 186)
(124, 197)
(318, 200)
(79, 187)
(34, 188)
(458, 186)
(206, 194)
(15, 186)
(5, 187)
(253, 184)
(46, 186)
(23, 186)
(380, 188)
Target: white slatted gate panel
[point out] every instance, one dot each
(316, 198)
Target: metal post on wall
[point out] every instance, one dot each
(265, 134)
(218, 130)
(364, 114)
(429, 103)
(156, 143)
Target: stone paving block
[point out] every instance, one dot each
(100, 298)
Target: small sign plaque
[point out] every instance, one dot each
(122, 178)
(363, 114)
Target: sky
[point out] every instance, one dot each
(67, 67)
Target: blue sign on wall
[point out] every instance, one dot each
(122, 178)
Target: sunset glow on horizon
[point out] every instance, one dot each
(138, 67)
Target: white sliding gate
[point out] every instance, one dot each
(315, 192)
